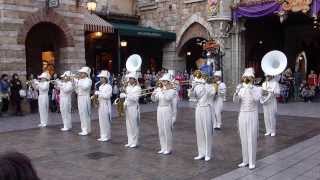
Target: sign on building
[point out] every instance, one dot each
(53, 3)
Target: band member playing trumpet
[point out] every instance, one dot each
(164, 96)
(204, 131)
(132, 109)
(249, 96)
(270, 90)
(104, 96)
(43, 99)
(83, 87)
(218, 100)
(66, 87)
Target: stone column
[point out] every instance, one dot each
(171, 60)
(237, 54)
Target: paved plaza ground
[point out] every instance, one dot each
(65, 155)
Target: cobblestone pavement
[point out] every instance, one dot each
(65, 155)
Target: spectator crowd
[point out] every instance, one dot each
(13, 91)
(293, 87)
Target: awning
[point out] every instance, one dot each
(94, 23)
(140, 31)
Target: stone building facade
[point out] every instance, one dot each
(19, 17)
(192, 19)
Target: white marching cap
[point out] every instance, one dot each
(66, 74)
(172, 72)
(166, 77)
(248, 72)
(132, 75)
(218, 73)
(45, 75)
(105, 74)
(86, 70)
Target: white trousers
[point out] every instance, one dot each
(217, 111)
(269, 110)
(248, 129)
(104, 120)
(65, 109)
(204, 130)
(43, 104)
(164, 120)
(133, 124)
(84, 107)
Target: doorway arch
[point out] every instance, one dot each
(43, 43)
(190, 44)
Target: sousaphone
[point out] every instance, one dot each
(274, 63)
(133, 63)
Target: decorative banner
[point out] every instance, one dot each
(257, 10)
(297, 5)
(213, 7)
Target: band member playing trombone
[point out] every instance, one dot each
(249, 96)
(270, 90)
(104, 95)
(164, 96)
(132, 109)
(218, 100)
(83, 87)
(43, 99)
(66, 88)
(204, 131)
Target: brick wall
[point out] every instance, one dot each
(17, 17)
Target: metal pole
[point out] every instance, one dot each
(119, 52)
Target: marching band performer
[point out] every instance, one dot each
(83, 88)
(104, 96)
(203, 93)
(164, 96)
(132, 109)
(66, 88)
(218, 100)
(249, 96)
(43, 99)
(270, 89)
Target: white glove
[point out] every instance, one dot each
(96, 93)
(123, 95)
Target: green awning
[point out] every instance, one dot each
(140, 31)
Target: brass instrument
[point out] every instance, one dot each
(95, 98)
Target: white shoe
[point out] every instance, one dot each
(83, 133)
(242, 165)
(198, 157)
(64, 129)
(160, 152)
(133, 146)
(252, 166)
(266, 134)
(166, 152)
(273, 134)
(127, 145)
(44, 125)
(40, 125)
(207, 158)
(103, 139)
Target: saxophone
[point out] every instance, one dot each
(95, 98)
